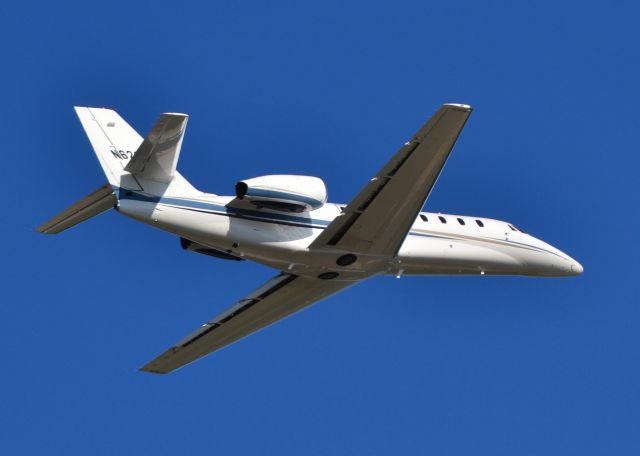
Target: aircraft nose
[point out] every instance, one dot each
(576, 268)
(557, 263)
(571, 267)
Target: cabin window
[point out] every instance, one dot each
(424, 218)
(460, 221)
(480, 224)
(442, 219)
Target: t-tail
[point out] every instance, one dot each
(130, 162)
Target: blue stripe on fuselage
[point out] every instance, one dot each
(220, 209)
(261, 216)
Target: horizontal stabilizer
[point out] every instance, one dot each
(96, 203)
(157, 156)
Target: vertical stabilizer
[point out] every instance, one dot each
(112, 138)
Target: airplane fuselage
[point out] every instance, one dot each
(437, 244)
(284, 221)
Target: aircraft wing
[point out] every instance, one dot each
(380, 216)
(278, 298)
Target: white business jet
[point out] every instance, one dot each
(285, 222)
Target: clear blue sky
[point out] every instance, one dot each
(447, 366)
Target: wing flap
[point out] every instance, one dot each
(380, 216)
(278, 298)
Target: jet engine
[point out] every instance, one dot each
(282, 192)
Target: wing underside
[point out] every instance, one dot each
(278, 298)
(379, 217)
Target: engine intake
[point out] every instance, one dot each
(286, 193)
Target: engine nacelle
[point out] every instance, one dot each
(284, 192)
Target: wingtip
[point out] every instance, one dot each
(151, 371)
(466, 107)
